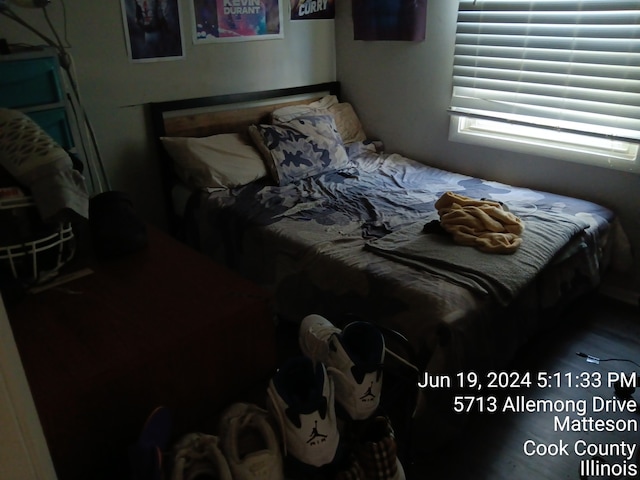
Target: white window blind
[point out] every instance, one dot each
(569, 65)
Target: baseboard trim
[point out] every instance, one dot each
(621, 294)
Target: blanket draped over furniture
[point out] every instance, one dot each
(38, 163)
(330, 236)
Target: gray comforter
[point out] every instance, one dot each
(502, 277)
(324, 245)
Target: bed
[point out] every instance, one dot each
(341, 226)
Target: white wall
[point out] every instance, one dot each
(401, 91)
(115, 90)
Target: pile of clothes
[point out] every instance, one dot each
(484, 224)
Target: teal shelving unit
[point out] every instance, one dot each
(31, 82)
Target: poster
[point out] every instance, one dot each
(389, 19)
(152, 30)
(312, 9)
(236, 20)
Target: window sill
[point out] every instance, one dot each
(601, 152)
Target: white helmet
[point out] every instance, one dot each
(31, 251)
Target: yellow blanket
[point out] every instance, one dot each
(482, 224)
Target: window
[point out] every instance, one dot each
(554, 77)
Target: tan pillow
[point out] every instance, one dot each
(218, 161)
(347, 123)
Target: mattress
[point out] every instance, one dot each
(309, 242)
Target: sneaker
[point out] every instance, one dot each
(198, 456)
(376, 451)
(250, 443)
(145, 456)
(354, 358)
(301, 398)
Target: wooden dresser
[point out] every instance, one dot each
(164, 326)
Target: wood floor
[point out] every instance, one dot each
(491, 446)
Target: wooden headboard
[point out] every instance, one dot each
(203, 116)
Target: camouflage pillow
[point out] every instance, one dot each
(303, 147)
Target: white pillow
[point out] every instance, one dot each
(218, 161)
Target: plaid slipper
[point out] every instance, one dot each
(376, 451)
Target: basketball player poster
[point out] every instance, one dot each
(236, 20)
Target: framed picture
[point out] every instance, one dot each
(152, 30)
(236, 20)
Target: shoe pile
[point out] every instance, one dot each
(326, 403)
